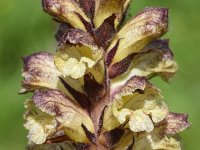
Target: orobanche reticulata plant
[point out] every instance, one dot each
(94, 92)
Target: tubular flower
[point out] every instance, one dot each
(94, 91)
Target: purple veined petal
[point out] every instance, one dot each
(69, 115)
(138, 32)
(161, 45)
(67, 11)
(39, 72)
(176, 122)
(77, 36)
(155, 58)
(134, 84)
(137, 97)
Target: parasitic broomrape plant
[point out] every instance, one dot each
(94, 93)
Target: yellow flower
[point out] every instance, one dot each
(94, 91)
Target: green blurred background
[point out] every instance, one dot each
(25, 29)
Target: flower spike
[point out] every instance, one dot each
(94, 92)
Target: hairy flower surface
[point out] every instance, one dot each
(94, 92)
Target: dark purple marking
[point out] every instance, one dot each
(80, 146)
(94, 90)
(130, 147)
(112, 53)
(120, 67)
(40, 98)
(114, 136)
(100, 125)
(62, 30)
(76, 36)
(88, 25)
(105, 32)
(89, 135)
(88, 7)
(58, 139)
(80, 97)
(162, 46)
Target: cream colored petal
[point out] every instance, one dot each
(39, 124)
(139, 121)
(135, 90)
(138, 103)
(73, 62)
(123, 114)
(98, 71)
(67, 11)
(165, 144)
(71, 67)
(157, 109)
(160, 137)
(147, 65)
(76, 61)
(137, 33)
(154, 140)
(105, 8)
(40, 72)
(39, 129)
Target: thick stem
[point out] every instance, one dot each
(97, 110)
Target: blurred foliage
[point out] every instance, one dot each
(25, 29)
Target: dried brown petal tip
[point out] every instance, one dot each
(38, 73)
(67, 11)
(176, 123)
